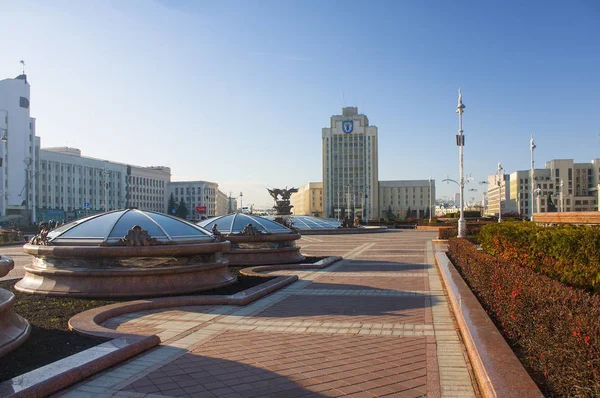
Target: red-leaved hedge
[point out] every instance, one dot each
(554, 329)
(570, 254)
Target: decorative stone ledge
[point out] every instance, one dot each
(14, 329)
(498, 371)
(258, 270)
(53, 377)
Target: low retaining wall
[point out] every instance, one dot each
(571, 217)
(498, 371)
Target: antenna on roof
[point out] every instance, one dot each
(22, 62)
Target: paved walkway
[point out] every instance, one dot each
(374, 324)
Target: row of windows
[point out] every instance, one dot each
(146, 181)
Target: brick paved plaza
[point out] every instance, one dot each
(375, 324)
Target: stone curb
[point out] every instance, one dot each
(434, 241)
(53, 377)
(498, 371)
(88, 322)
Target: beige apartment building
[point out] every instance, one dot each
(350, 165)
(408, 198)
(566, 185)
(308, 201)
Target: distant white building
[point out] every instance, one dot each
(18, 150)
(578, 191)
(70, 185)
(147, 187)
(200, 197)
(61, 184)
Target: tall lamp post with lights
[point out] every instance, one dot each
(430, 192)
(3, 140)
(499, 193)
(532, 146)
(562, 208)
(460, 142)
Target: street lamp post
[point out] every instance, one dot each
(499, 193)
(532, 146)
(3, 140)
(460, 141)
(348, 201)
(561, 196)
(430, 192)
(367, 206)
(241, 203)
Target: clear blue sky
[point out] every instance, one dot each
(237, 91)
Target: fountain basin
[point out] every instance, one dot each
(255, 240)
(125, 253)
(106, 272)
(14, 329)
(264, 249)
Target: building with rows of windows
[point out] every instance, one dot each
(350, 176)
(200, 197)
(562, 185)
(60, 184)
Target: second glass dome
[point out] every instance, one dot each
(235, 223)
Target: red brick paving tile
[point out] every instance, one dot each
(175, 392)
(187, 383)
(366, 309)
(214, 385)
(231, 395)
(335, 362)
(332, 393)
(147, 389)
(362, 395)
(221, 391)
(202, 394)
(167, 386)
(242, 387)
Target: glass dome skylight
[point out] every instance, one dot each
(309, 222)
(235, 223)
(112, 226)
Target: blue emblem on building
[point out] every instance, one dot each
(348, 126)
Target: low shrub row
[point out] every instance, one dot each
(12, 236)
(473, 229)
(468, 213)
(553, 328)
(567, 253)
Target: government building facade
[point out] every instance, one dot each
(351, 185)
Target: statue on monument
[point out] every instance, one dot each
(282, 206)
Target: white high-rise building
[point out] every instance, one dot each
(350, 165)
(18, 150)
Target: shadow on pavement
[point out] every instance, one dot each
(381, 266)
(364, 302)
(193, 375)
